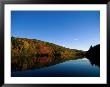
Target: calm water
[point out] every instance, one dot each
(71, 68)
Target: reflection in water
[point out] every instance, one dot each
(71, 68)
(93, 54)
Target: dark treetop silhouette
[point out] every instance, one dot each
(32, 53)
(93, 54)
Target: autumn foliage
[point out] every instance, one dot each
(32, 53)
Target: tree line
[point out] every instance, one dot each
(33, 53)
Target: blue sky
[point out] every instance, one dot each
(71, 29)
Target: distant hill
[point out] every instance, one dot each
(33, 53)
(93, 54)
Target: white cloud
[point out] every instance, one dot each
(75, 39)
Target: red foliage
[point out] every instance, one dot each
(43, 60)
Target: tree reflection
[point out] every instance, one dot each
(93, 54)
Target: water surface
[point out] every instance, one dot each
(71, 68)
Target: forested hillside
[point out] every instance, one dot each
(93, 54)
(33, 53)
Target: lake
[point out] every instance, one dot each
(72, 68)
